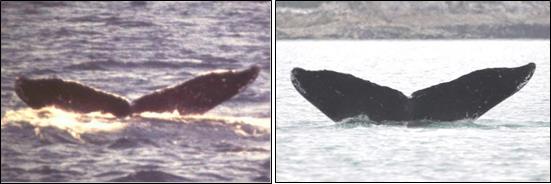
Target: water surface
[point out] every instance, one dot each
(132, 49)
(511, 142)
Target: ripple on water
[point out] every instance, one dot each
(214, 177)
(13, 174)
(127, 143)
(151, 176)
(47, 170)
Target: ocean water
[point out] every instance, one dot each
(511, 142)
(132, 49)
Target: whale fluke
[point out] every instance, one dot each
(341, 96)
(195, 96)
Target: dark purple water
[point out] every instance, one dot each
(132, 48)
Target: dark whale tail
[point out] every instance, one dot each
(341, 96)
(195, 96)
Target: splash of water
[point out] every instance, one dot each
(364, 120)
(243, 126)
(76, 124)
(175, 116)
(73, 123)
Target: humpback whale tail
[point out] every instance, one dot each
(341, 96)
(195, 96)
